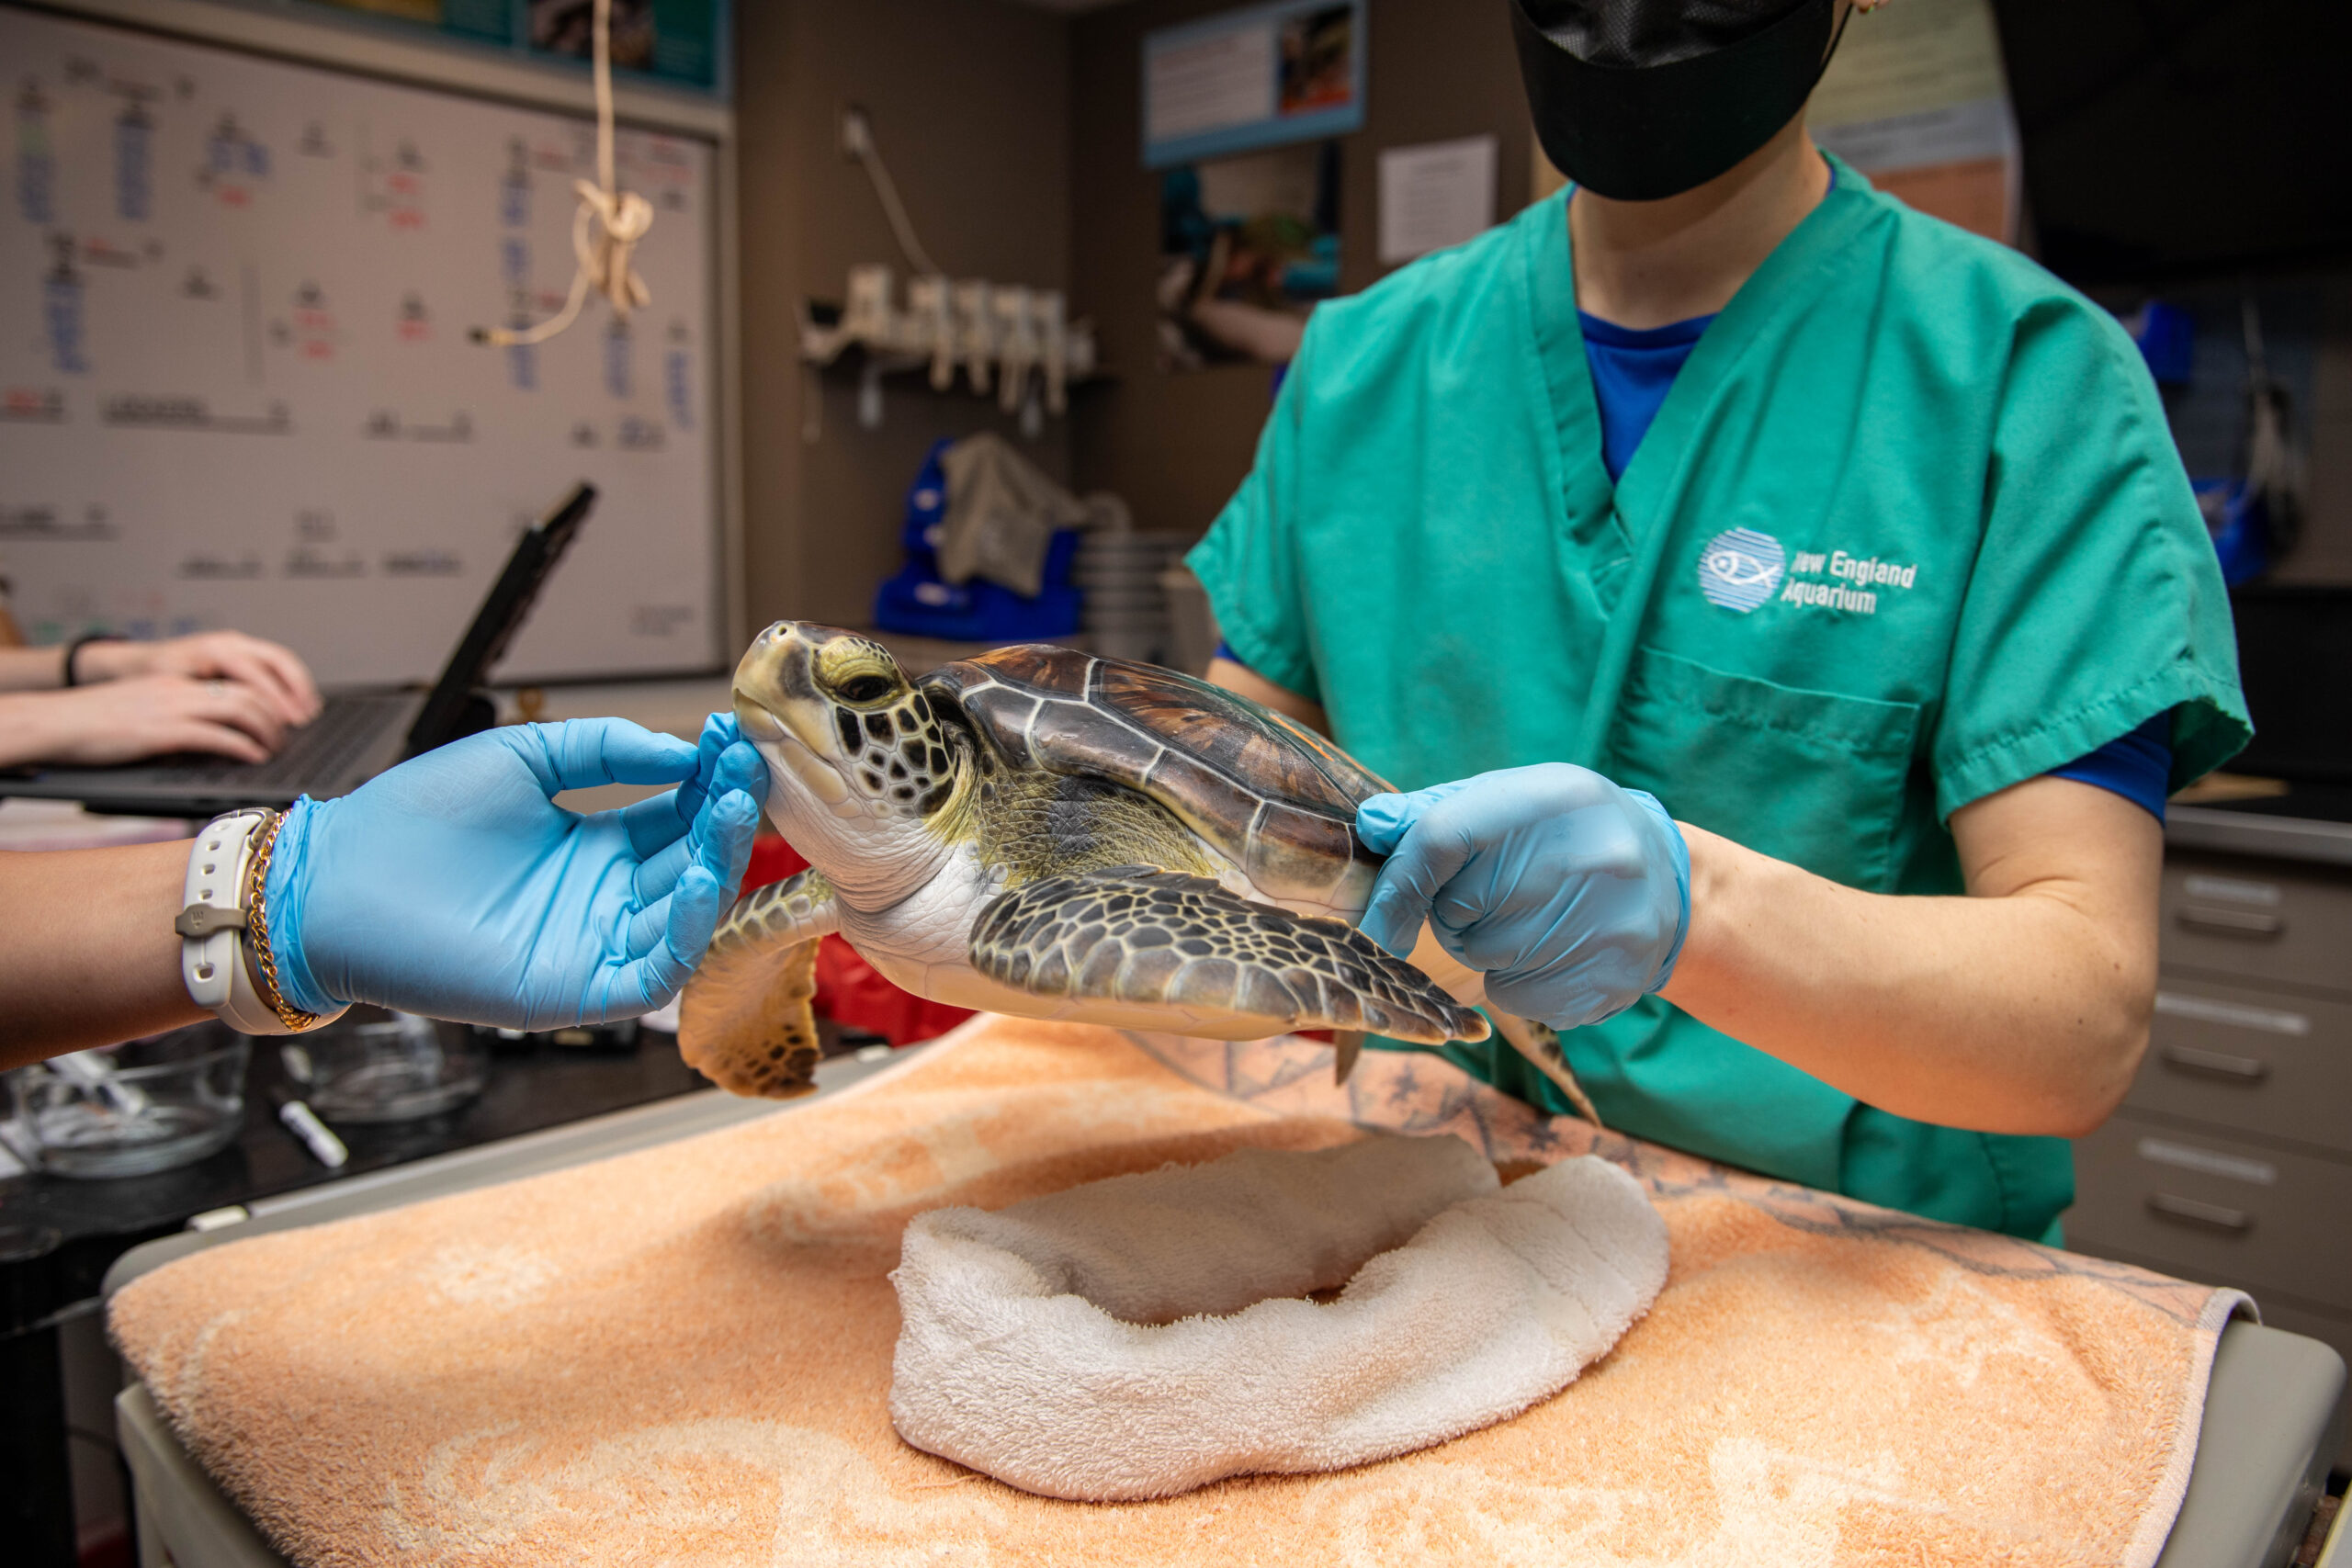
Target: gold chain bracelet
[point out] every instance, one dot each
(257, 929)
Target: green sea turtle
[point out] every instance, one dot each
(1043, 832)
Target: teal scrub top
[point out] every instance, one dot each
(1909, 528)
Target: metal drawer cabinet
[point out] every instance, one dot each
(2270, 1063)
(2214, 1208)
(2258, 919)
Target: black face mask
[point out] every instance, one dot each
(1640, 99)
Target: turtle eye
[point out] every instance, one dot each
(865, 688)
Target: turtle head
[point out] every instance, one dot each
(857, 759)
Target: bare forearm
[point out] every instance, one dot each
(91, 957)
(2025, 1012)
(31, 669)
(35, 727)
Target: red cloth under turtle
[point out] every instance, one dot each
(851, 991)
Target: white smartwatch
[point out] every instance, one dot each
(212, 925)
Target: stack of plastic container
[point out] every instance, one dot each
(1125, 609)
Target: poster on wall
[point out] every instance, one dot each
(1248, 246)
(673, 40)
(681, 43)
(568, 27)
(1435, 195)
(1916, 99)
(1263, 77)
(491, 21)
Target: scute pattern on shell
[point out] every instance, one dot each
(1140, 935)
(1276, 798)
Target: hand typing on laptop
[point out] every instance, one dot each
(221, 692)
(243, 755)
(275, 673)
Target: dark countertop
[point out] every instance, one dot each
(2311, 823)
(58, 1235)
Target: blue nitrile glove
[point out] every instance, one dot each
(1573, 895)
(453, 886)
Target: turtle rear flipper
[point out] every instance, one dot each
(744, 1021)
(1139, 935)
(1540, 1043)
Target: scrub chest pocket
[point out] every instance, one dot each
(1745, 757)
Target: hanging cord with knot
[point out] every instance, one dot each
(600, 259)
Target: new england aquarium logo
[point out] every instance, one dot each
(1740, 569)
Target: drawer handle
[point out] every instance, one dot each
(2212, 1215)
(2259, 923)
(2221, 1063)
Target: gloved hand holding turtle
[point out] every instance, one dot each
(1570, 895)
(453, 886)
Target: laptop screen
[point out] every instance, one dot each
(443, 717)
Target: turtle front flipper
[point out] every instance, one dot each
(744, 1021)
(1143, 937)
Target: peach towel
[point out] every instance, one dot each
(682, 1356)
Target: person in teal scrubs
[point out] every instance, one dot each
(1788, 612)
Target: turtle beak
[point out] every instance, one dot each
(773, 695)
(783, 716)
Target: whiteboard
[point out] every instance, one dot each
(236, 384)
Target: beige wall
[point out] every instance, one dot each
(1176, 445)
(970, 104)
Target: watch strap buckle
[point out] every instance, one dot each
(200, 920)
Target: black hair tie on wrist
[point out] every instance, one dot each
(74, 650)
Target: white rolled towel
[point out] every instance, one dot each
(1147, 1335)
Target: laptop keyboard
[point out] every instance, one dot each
(315, 756)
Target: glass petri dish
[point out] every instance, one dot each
(130, 1110)
(372, 1065)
